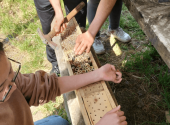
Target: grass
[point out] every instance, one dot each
(20, 21)
(154, 74)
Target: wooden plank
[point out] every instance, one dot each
(97, 105)
(109, 96)
(154, 20)
(97, 94)
(70, 101)
(167, 115)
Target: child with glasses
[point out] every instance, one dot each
(20, 91)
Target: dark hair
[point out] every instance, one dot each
(1, 47)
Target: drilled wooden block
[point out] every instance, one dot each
(95, 99)
(90, 89)
(97, 105)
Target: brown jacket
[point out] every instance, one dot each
(31, 89)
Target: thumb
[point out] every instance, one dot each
(119, 75)
(77, 43)
(57, 28)
(113, 68)
(58, 25)
(115, 109)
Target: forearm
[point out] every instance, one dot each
(70, 83)
(104, 9)
(56, 6)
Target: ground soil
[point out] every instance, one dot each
(133, 93)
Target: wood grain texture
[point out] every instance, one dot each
(167, 115)
(95, 99)
(154, 20)
(70, 101)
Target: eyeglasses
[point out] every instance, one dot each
(14, 78)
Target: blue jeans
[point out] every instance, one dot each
(114, 16)
(52, 120)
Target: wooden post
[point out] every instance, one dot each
(95, 99)
(154, 20)
(70, 100)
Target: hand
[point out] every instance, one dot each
(83, 42)
(109, 73)
(59, 18)
(113, 117)
(59, 25)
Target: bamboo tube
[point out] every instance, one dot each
(83, 71)
(76, 69)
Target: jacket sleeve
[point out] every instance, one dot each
(38, 88)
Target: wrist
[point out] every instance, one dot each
(89, 36)
(57, 8)
(99, 75)
(59, 13)
(91, 32)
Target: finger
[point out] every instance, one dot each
(123, 123)
(117, 70)
(115, 109)
(88, 49)
(119, 75)
(113, 67)
(57, 33)
(120, 113)
(64, 25)
(57, 27)
(122, 118)
(78, 42)
(83, 48)
(61, 29)
(117, 81)
(79, 48)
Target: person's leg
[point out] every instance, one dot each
(46, 14)
(91, 12)
(52, 120)
(114, 19)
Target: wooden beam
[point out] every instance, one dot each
(167, 115)
(154, 20)
(70, 101)
(95, 99)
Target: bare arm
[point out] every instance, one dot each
(59, 17)
(106, 72)
(69, 83)
(85, 40)
(103, 10)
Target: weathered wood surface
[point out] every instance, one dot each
(95, 99)
(70, 101)
(154, 19)
(167, 115)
